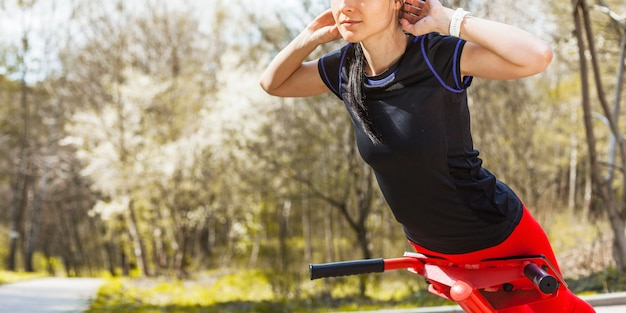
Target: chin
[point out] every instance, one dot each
(351, 38)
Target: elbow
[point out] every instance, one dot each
(537, 60)
(544, 56)
(266, 86)
(270, 91)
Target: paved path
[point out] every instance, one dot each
(608, 303)
(72, 295)
(48, 295)
(611, 309)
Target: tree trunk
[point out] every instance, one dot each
(602, 185)
(180, 262)
(20, 203)
(283, 233)
(35, 219)
(125, 263)
(20, 187)
(137, 240)
(306, 232)
(619, 242)
(573, 170)
(329, 234)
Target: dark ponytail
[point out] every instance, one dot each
(355, 96)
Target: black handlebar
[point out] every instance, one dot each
(346, 268)
(547, 283)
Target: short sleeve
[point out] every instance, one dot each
(443, 55)
(330, 67)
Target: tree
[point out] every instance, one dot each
(142, 85)
(609, 199)
(32, 125)
(22, 177)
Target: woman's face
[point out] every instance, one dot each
(359, 20)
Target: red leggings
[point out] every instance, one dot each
(528, 238)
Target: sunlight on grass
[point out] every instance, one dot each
(143, 296)
(567, 233)
(7, 277)
(251, 291)
(246, 286)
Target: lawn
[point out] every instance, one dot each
(249, 291)
(7, 277)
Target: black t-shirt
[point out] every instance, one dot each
(426, 165)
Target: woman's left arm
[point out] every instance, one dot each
(493, 50)
(500, 51)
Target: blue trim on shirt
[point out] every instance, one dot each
(432, 69)
(456, 60)
(382, 81)
(326, 75)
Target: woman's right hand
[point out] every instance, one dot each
(323, 28)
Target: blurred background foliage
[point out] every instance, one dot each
(135, 142)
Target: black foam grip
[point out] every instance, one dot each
(346, 268)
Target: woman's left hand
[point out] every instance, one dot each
(413, 11)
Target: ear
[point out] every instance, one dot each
(399, 4)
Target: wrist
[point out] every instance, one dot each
(309, 40)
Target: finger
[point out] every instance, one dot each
(413, 12)
(328, 16)
(414, 7)
(410, 17)
(324, 19)
(334, 32)
(418, 28)
(407, 26)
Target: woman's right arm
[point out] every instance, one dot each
(288, 75)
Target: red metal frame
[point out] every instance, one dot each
(484, 287)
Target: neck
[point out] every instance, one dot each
(382, 52)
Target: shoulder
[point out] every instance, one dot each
(331, 67)
(434, 49)
(337, 57)
(437, 44)
(442, 54)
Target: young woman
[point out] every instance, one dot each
(403, 76)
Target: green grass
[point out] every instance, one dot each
(252, 291)
(240, 292)
(248, 291)
(255, 291)
(7, 277)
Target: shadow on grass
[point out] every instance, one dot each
(605, 281)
